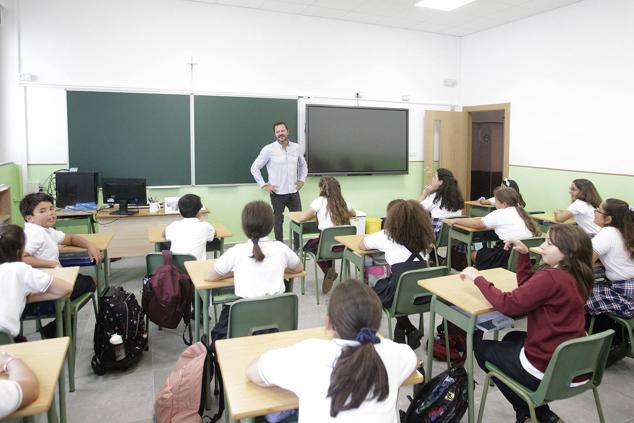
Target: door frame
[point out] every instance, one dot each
(456, 132)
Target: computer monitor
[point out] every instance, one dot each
(72, 188)
(124, 191)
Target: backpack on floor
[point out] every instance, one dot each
(444, 399)
(167, 295)
(119, 313)
(457, 344)
(182, 398)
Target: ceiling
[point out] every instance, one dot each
(474, 17)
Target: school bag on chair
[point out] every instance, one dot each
(119, 315)
(182, 398)
(167, 296)
(444, 399)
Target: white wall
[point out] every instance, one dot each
(12, 147)
(145, 44)
(568, 75)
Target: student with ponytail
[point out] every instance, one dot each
(257, 265)
(506, 182)
(353, 377)
(509, 220)
(330, 209)
(613, 245)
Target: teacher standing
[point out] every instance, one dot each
(287, 171)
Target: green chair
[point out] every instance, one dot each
(441, 241)
(530, 243)
(154, 260)
(408, 296)
(627, 325)
(271, 313)
(76, 305)
(576, 357)
(5, 338)
(254, 316)
(325, 250)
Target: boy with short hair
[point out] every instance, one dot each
(190, 234)
(42, 243)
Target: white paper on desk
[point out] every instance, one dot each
(493, 320)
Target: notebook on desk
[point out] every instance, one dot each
(80, 258)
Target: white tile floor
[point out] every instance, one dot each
(128, 397)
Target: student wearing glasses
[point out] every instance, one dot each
(613, 245)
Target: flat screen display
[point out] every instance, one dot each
(356, 140)
(75, 187)
(129, 190)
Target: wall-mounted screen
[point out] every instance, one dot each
(356, 140)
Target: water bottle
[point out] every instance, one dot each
(117, 345)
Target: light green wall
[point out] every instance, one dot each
(543, 189)
(547, 189)
(10, 175)
(368, 193)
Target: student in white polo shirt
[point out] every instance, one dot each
(509, 221)
(353, 377)
(190, 234)
(258, 265)
(19, 280)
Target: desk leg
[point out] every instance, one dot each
(469, 363)
(72, 348)
(59, 332)
(204, 296)
(449, 247)
(467, 323)
(106, 269)
(51, 414)
(196, 316)
(430, 341)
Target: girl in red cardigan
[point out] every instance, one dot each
(553, 298)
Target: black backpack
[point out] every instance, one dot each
(120, 313)
(444, 399)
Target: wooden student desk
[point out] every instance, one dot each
(132, 230)
(353, 254)
(545, 220)
(46, 359)
(478, 210)
(62, 305)
(198, 271)
(299, 228)
(246, 399)
(101, 241)
(451, 290)
(155, 236)
(468, 236)
(73, 218)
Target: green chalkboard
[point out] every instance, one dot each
(130, 135)
(231, 131)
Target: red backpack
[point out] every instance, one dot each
(167, 295)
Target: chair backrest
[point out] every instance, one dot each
(269, 313)
(5, 338)
(576, 357)
(327, 241)
(530, 243)
(154, 260)
(409, 297)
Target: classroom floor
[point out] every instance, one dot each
(128, 397)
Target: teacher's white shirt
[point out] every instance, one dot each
(284, 166)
